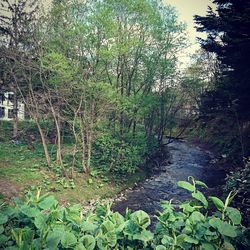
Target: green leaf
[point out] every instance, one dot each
(107, 226)
(3, 239)
(1, 229)
(40, 222)
(207, 246)
(217, 202)
(234, 215)
(3, 219)
(144, 236)
(223, 227)
(200, 183)
(186, 185)
(141, 218)
(68, 239)
(79, 247)
(200, 197)
(227, 246)
(30, 211)
(167, 240)
(215, 222)
(187, 207)
(227, 230)
(53, 239)
(180, 239)
(88, 226)
(88, 242)
(47, 203)
(197, 217)
(160, 247)
(191, 240)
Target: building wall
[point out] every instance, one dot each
(6, 107)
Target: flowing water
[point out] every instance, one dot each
(186, 160)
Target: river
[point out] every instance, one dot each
(186, 160)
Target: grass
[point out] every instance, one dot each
(25, 169)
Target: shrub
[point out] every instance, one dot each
(39, 223)
(120, 155)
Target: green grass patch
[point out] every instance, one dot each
(27, 169)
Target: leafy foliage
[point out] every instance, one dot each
(39, 223)
(120, 155)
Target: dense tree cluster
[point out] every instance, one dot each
(104, 71)
(228, 36)
(225, 107)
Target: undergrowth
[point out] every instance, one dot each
(39, 222)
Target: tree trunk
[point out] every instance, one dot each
(89, 141)
(15, 116)
(45, 147)
(83, 150)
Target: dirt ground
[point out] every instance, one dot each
(9, 189)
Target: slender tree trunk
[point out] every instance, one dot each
(89, 139)
(15, 116)
(58, 131)
(59, 144)
(83, 149)
(45, 147)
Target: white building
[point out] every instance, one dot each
(6, 107)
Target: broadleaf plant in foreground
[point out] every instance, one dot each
(39, 222)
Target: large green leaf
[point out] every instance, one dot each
(47, 202)
(160, 247)
(197, 217)
(200, 183)
(107, 226)
(30, 211)
(217, 202)
(186, 185)
(53, 239)
(144, 236)
(200, 197)
(3, 239)
(88, 242)
(227, 246)
(167, 240)
(223, 227)
(234, 215)
(3, 218)
(88, 226)
(180, 239)
(187, 207)
(207, 246)
(40, 222)
(227, 230)
(68, 239)
(141, 218)
(191, 240)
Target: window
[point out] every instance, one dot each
(11, 98)
(2, 97)
(10, 113)
(2, 112)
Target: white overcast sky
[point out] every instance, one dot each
(186, 9)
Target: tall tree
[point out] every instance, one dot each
(228, 32)
(15, 30)
(228, 36)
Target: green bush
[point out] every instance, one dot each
(120, 155)
(39, 223)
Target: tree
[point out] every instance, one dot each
(15, 19)
(228, 32)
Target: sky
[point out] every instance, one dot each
(186, 10)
